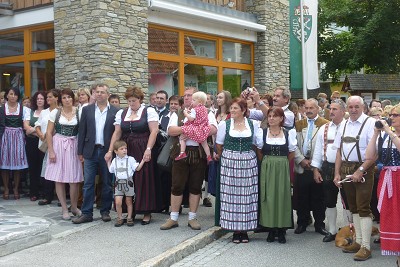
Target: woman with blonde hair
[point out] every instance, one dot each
(83, 96)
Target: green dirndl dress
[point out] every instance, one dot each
(275, 189)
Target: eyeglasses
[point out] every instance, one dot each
(394, 115)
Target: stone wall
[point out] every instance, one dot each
(271, 52)
(101, 41)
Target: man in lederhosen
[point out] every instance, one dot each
(323, 163)
(308, 194)
(351, 141)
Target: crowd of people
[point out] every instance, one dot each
(261, 156)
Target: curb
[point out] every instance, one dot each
(186, 248)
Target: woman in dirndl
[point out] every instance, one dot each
(12, 153)
(137, 125)
(385, 144)
(63, 164)
(239, 172)
(278, 146)
(34, 155)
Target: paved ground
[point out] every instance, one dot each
(97, 243)
(102, 244)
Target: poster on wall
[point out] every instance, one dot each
(393, 97)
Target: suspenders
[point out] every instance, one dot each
(349, 139)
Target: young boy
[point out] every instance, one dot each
(124, 166)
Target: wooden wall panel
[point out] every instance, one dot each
(20, 4)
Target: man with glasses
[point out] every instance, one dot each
(352, 141)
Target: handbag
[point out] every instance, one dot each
(43, 146)
(164, 160)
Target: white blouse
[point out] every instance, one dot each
(151, 115)
(278, 141)
(235, 133)
(26, 112)
(63, 120)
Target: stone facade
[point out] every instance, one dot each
(101, 41)
(271, 52)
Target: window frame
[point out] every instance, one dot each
(218, 62)
(28, 55)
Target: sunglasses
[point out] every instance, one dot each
(394, 115)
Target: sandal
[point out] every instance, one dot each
(6, 196)
(16, 196)
(119, 222)
(236, 238)
(244, 238)
(33, 198)
(129, 222)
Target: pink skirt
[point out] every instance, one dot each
(67, 168)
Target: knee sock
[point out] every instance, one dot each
(347, 217)
(331, 215)
(205, 194)
(192, 215)
(357, 227)
(174, 215)
(366, 228)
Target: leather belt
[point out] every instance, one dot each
(99, 146)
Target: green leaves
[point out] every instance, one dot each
(371, 38)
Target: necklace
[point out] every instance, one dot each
(274, 135)
(239, 123)
(69, 116)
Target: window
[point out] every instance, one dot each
(12, 44)
(209, 63)
(27, 59)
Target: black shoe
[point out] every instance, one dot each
(44, 202)
(329, 238)
(146, 222)
(271, 236)
(321, 230)
(377, 240)
(105, 217)
(207, 202)
(300, 229)
(281, 236)
(82, 219)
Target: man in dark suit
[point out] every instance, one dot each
(96, 128)
(161, 103)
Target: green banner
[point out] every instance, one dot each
(296, 74)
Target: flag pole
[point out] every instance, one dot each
(303, 50)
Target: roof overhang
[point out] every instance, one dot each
(201, 17)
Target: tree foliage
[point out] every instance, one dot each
(371, 39)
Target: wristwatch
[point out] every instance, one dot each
(361, 169)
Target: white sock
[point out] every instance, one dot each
(174, 216)
(347, 216)
(205, 190)
(331, 215)
(366, 228)
(192, 215)
(357, 228)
